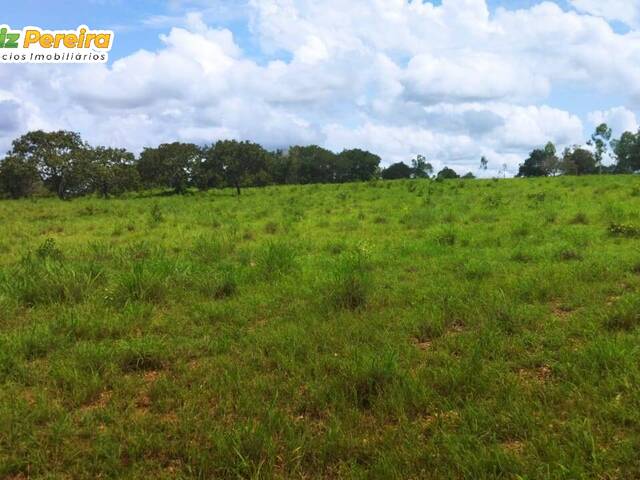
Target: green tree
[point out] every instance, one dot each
(627, 152)
(396, 171)
(357, 165)
(421, 168)
(60, 159)
(447, 173)
(170, 165)
(244, 164)
(541, 162)
(284, 168)
(18, 178)
(578, 161)
(209, 173)
(113, 171)
(601, 139)
(314, 164)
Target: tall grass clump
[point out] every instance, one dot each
(367, 377)
(275, 259)
(350, 284)
(211, 249)
(156, 216)
(46, 277)
(145, 281)
(221, 283)
(624, 230)
(625, 314)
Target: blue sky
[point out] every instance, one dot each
(444, 79)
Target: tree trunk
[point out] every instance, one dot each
(238, 188)
(60, 192)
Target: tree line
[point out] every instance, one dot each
(576, 160)
(61, 163)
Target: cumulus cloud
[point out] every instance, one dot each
(452, 81)
(620, 119)
(626, 11)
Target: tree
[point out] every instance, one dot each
(421, 168)
(18, 178)
(552, 165)
(113, 171)
(244, 164)
(357, 165)
(60, 159)
(284, 168)
(447, 173)
(169, 165)
(484, 163)
(209, 173)
(627, 151)
(396, 171)
(313, 164)
(600, 139)
(541, 162)
(578, 161)
(468, 176)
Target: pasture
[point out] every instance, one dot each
(409, 329)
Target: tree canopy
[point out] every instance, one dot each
(61, 163)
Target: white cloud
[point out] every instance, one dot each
(626, 11)
(619, 119)
(451, 81)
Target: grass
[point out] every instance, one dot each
(458, 329)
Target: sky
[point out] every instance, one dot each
(453, 80)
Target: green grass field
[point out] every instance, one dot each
(461, 329)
